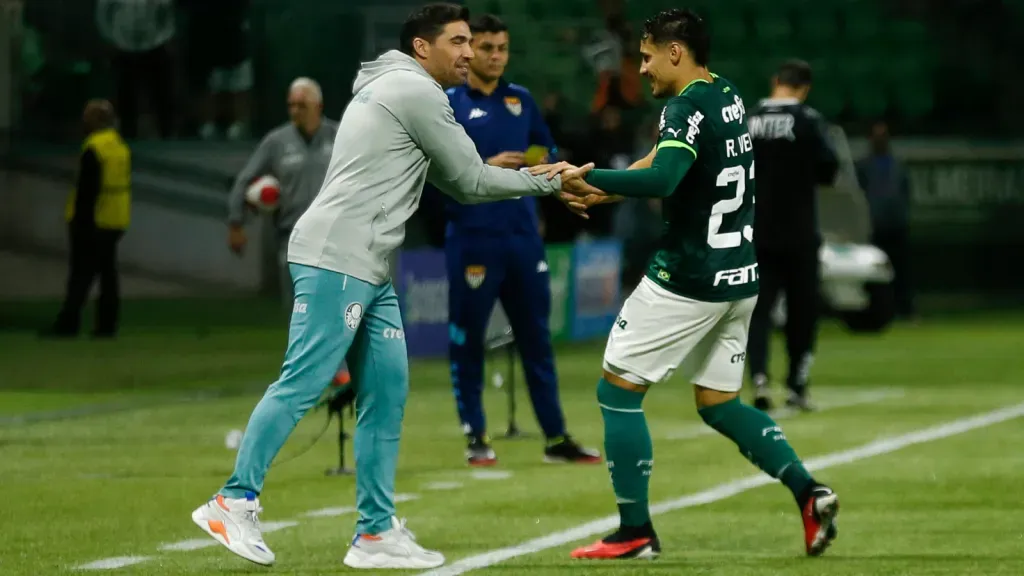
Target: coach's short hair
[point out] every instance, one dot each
(428, 23)
(683, 26)
(487, 24)
(795, 73)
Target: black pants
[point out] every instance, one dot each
(150, 73)
(794, 271)
(896, 245)
(92, 253)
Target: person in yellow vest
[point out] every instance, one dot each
(98, 212)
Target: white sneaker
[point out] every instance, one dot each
(234, 522)
(394, 548)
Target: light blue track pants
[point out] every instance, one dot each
(336, 316)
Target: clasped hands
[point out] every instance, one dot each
(576, 194)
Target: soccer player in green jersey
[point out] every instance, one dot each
(692, 310)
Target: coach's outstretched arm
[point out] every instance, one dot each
(455, 166)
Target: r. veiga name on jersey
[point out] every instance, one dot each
(737, 276)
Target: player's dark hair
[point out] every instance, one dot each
(795, 73)
(683, 26)
(428, 23)
(487, 24)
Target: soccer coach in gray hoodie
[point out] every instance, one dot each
(396, 133)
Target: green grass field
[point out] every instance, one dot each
(106, 447)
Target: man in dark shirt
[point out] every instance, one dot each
(98, 213)
(793, 155)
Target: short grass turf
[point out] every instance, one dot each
(106, 447)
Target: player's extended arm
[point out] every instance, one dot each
(645, 162)
(258, 165)
(455, 166)
(667, 170)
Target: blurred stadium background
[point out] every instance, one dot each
(203, 326)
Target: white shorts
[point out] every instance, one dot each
(658, 331)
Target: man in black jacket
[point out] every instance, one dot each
(793, 155)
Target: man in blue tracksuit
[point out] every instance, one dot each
(495, 251)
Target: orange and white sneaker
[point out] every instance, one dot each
(394, 548)
(819, 516)
(234, 522)
(625, 543)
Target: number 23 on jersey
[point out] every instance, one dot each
(716, 238)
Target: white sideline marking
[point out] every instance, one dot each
(723, 491)
(268, 527)
(858, 399)
(342, 510)
(491, 474)
(187, 545)
(330, 512)
(114, 563)
(443, 486)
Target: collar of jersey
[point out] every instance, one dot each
(692, 82)
(474, 93)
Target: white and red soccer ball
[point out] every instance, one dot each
(264, 193)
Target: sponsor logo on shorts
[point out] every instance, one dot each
(394, 333)
(353, 314)
(621, 322)
(737, 276)
(299, 308)
(475, 276)
(738, 358)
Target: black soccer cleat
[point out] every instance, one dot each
(624, 544)
(565, 449)
(479, 452)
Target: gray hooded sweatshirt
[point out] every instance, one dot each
(397, 132)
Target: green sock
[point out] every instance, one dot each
(761, 440)
(628, 449)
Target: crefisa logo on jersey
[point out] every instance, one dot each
(353, 314)
(514, 105)
(475, 276)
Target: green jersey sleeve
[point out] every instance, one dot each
(679, 126)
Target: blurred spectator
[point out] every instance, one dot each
(554, 117)
(609, 144)
(59, 60)
(618, 71)
(140, 32)
(219, 66)
(98, 212)
(887, 187)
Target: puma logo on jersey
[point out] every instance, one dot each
(674, 131)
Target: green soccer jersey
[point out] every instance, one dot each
(707, 247)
